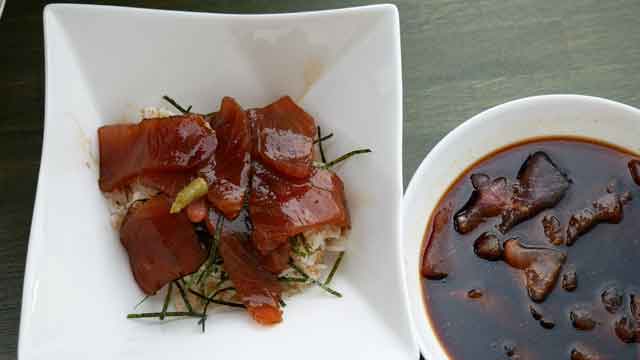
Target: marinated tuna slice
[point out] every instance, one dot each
(197, 210)
(169, 183)
(277, 260)
(241, 224)
(607, 209)
(227, 171)
(541, 266)
(281, 208)
(284, 135)
(541, 185)
(162, 247)
(176, 143)
(258, 289)
(488, 199)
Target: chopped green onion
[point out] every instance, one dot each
(306, 247)
(184, 296)
(219, 291)
(141, 301)
(216, 301)
(165, 314)
(224, 276)
(298, 245)
(176, 105)
(319, 141)
(314, 281)
(203, 319)
(196, 188)
(334, 268)
(292, 279)
(167, 299)
(227, 303)
(213, 250)
(340, 159)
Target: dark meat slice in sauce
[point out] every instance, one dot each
(281, 208)
(541, 185)
(162, 247)
(582, 319)
(626, 330)
(541, 267)
(430, 267)
(169, 183)
(612, 298)
(553, 229)
(258, 289)
(488, 247)
(284, 135)
(430, 270)
(580, 352)
(227, 171)
(607, 209)
(488, 199)
(176, 143)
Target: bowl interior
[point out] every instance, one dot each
(103, 64)
(551, 115)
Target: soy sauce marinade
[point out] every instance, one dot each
(481, 309)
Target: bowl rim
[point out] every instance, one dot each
(419, 178)
(347, 10)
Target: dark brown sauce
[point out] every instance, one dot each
(500, 322)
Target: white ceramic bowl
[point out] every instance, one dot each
(103, 64)
(490, 130)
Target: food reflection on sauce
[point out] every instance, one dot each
(514, 234)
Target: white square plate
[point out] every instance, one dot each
(103, 64)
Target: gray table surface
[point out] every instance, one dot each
(459, 58)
